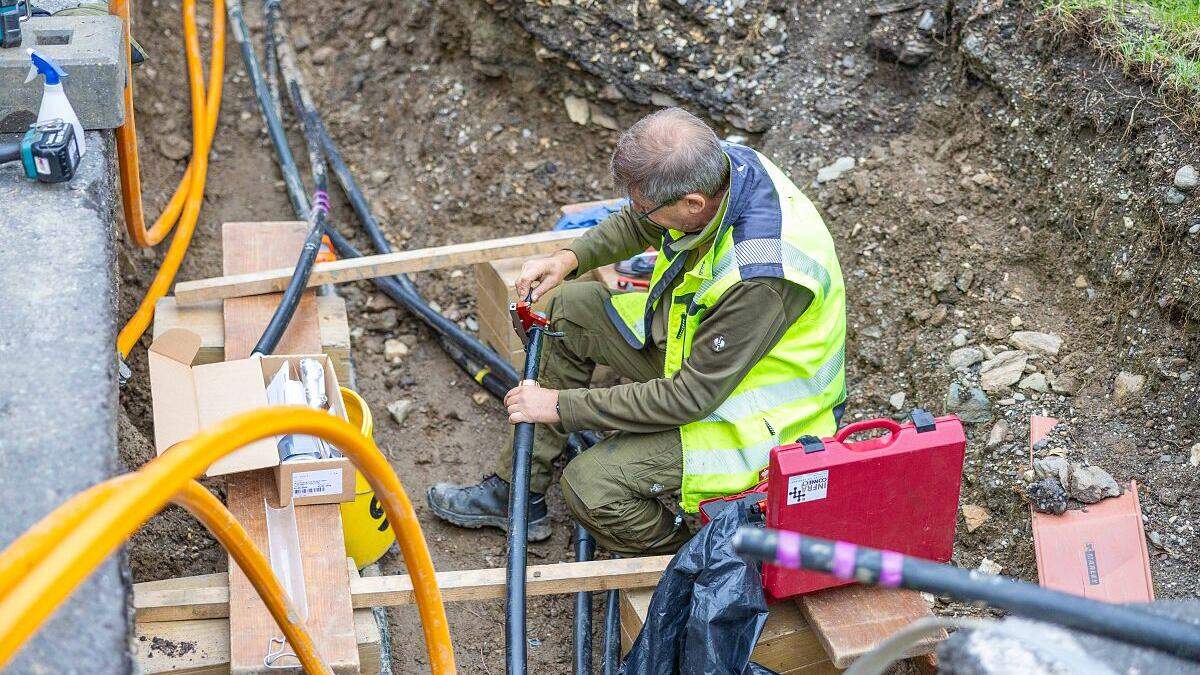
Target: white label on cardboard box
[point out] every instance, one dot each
(807, 487)
(316, 483)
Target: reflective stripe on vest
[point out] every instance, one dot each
(770, 396)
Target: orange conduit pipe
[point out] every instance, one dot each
(184, 206)
(80, 551)
(24, 553)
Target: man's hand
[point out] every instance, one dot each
(531, 403)
(543, 274)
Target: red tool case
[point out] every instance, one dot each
(898, 491)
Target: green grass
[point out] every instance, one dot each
(1159, 39)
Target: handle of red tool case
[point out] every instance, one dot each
(849, 430)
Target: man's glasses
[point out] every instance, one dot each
(644, 216)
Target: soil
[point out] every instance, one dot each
(1005, 179)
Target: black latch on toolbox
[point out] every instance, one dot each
(810, 444)
(923, 420)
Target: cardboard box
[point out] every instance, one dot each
(188, 399)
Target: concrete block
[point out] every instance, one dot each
(92, 51)
(58, 402)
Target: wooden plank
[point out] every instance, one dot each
(1098, 552)
(238, 284)
(851, 620)
(201, 647)
(208, 596)
(250, 247)
(208, 321)
(786, 645)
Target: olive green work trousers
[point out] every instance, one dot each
(613, 489)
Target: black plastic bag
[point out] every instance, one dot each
(708, 610)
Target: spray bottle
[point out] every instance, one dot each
(54, 100)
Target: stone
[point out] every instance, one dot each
(603, 119)
(480, 398)
(897, 400)
(964, 357)
(1195, 459)
(1067, 384)
(400, 409)
(974, 516)
(997, 435)
(996, 332)
(1016, 322)
(1127, 386)
(1035, 382)
(959, 339)
(1174, 196)
(835, 171)
(989, 566)
(1089, 484)
(1003, 370)
(1081, 281)
(1047, 496)
(394, 350)
(1054, 467)
(1187, 178)
(174, 146)
(970, 404)
(1036, 342)
(578, 110)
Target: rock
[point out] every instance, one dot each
(971, 405)
(974, 516)
(400, 410)
(1187, 178)
(1039, 343)
(577, 109)
(394, 350)
(834, 171)
(995, 332)
(480, 398)
(1081, 281)
(1156, 539)
(897, 400)
(988, 566)
(1047, 496)
(1035, 382)
(383, 322)
(1174, 196)
(997, 435)
(1002, 371)
(1016, 322)
(1127, 385)
(174, 146)
(964, 357)
(1054, 467)
(959, 339)
(1195, 460)
(1067, 384)
(938, 315)
(603, 119)
(1089, 484)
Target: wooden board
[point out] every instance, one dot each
(787, 644)
(201, 647)
(208, 321)
(852, 620)
(250, 247)
(1098, 551)
(238, 284)
(207, 596)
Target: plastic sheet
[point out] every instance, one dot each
(707, 612)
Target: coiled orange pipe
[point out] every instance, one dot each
(25, 607)
(184, 207)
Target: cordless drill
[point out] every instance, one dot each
(49, 152)
(10, 21)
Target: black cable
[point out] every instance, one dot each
(888, 568)
(585, 550)
(612, 633)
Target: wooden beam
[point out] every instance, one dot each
(250, 247)
(852, 620)
(207, 596)
(208, 321)
(238, 284)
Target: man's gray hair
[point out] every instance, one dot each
(667, 154)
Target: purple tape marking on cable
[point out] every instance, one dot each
(890, 569)
(843, 559)
(787, 552)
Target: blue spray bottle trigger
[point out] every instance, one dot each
(42, 65)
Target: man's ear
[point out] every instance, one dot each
(695, 202)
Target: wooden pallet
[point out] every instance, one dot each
(250, 247)
(208, 321)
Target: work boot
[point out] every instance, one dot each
(486, 505)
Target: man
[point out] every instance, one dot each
(737, 347)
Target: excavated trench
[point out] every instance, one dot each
(1004, 178)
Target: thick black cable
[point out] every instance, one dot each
(868, 565)
(585, 550)
(612, 633)
(293, 79)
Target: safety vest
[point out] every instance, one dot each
(768, 229)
